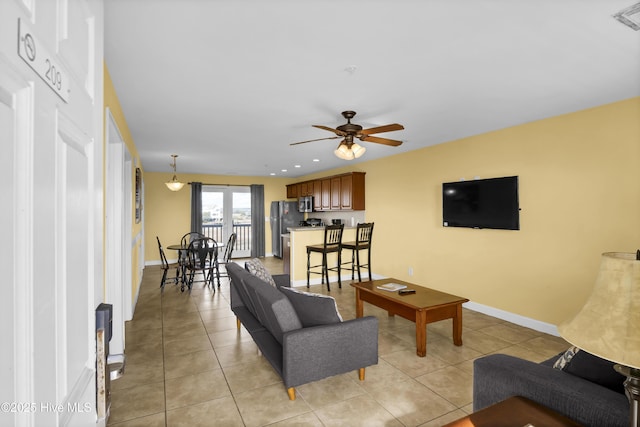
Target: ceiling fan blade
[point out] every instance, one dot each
(380, 129)
(378, 140)
(319, 139)
(336, 131)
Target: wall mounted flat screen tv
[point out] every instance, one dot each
(481, 203)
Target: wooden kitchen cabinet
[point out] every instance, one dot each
(306, 189)
(317, 195)
(333, 193)
(352, 191)
(326, 194)
(292, 191)
(336, 196)
(346, 194)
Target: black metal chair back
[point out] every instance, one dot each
(226, 258)
(190, 237)
(364, 235)
(332, 243)
(333, 235)
(202, 255)
(164, 262)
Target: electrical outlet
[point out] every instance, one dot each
(410, 271)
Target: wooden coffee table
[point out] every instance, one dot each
(425, 306)
(515, 411)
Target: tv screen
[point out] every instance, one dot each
(481, 203)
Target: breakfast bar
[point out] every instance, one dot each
(299, 238)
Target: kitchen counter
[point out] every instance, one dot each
(299, 238)
(320, 227)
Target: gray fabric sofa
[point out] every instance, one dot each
(299, 354)
(497, 377)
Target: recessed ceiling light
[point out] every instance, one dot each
(296, 166)
(316, 160)
(283, 170)
(272, 173)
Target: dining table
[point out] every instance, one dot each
(181, 266)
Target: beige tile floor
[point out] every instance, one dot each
(187, 365)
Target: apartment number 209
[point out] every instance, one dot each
(53, 75)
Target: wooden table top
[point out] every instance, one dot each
(423, 298)
(515, 411)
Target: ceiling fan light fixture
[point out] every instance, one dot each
(358, 150)
(174, 184)
(344, 152)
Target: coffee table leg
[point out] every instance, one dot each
(457, 326)
(359, 304)
(421, 333)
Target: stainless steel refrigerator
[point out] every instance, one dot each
(283, 215)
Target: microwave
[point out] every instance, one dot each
(305, 204)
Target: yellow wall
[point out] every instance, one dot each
(579, 195)
(111, 102)
(168, 213)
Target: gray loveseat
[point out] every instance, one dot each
(301, 343)
(497, 377)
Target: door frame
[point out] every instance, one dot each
(118, 230)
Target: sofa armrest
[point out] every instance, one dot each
(317, 352)
(282, 280)
(497, 377)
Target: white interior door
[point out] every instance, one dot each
(51, 131)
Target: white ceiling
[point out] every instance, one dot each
(229, 84)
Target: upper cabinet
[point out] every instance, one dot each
(333, 193)
(292, 191)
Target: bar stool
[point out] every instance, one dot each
(332, 243)
(364, 233)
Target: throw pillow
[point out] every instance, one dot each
(255, 267)
(580, 363)
(313, 309)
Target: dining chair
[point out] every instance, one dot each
(332, 244)
(364, 233)
(189, 237)
(202, 257)
(226, 258)
(164, 263)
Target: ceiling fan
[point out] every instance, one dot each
(348, 149)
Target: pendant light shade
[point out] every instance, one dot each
(174, 184)
(349, 151)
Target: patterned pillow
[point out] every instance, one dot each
(585, 365)
(313, 309)
(255, 267)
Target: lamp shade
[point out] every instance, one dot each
(608, 325)
(344, 152)
(174, 184)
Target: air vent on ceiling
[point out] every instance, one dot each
(630, 16)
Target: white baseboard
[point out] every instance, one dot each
(527, 322)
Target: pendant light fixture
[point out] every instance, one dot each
(174, 184)
(349, 150)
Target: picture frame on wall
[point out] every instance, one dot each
(138, 195)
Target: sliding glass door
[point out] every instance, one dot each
(226, 210)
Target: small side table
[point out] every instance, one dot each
(515, 411)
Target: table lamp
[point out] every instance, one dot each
(608, 325)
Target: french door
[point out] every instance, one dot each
(226, 210)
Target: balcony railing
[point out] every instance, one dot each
(243, 235)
